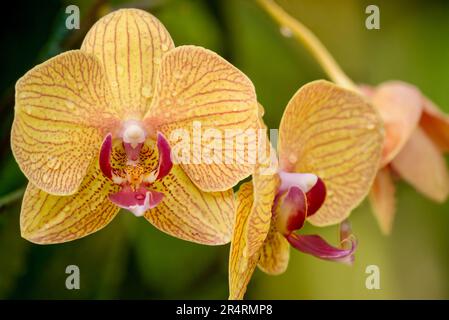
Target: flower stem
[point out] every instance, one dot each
(310, 41)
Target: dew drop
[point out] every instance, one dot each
(114, 84)
(146, 91)
(28, 110)
(292, 158)
(157, 60)
(53, 163)
(370, 126)
(177, 74)
(120, 70)
(164, 47)
(286, 31)
(45, 178)
(70, 105)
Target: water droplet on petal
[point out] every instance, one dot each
(370, 126)
(120, 70)
(147, 91)
(157, 60)
(286, 31)
(45, 178)
(70, 104)
(292, 158)
(114, 84)
(164, 47)
(178, 74)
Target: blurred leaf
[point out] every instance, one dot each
(13, 249)
(190, 22)
(101, 258)
(173, 268)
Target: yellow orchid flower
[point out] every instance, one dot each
(93, 133)
(417, 132)
(416, 135)
(329, 150)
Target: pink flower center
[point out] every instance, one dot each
(134, 177)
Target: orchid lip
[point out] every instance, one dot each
(319, 248)
(137, 201)
(299, 197)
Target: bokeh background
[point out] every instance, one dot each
(130, 259)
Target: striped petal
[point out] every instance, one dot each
(275, 254)
(47, 219)
(436, 125)
(333, 133)
(198, 91)
(252, 224)
(400, 106)
(421, 164)
(62, 112)
(190, 214)
(129, 43)
(383, 200)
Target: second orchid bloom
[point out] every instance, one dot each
(330, 142)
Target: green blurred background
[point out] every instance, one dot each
(130, 259)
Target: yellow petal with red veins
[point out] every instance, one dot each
(198, 91)
(130, 44)
(61, 113)
(421, 164)
(400, 106)
(333, 133)
(383, 200)
(47, 219)
(252, 224)
(190, 214)
(274, 254)
(436, 125)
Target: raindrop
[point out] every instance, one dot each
(120, 70)
(45, 178)
(53, 163)
(178, 74)
(70, 104)
(292, 158)
(164, 47)
(146, 91)
(286, 31)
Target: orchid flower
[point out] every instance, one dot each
(417, 132)
(416, 135)
(93, 133)
(329, 150)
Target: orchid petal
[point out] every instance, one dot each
(198, 91)
(382, 199)
(421, 164)
(105, 156)
(252, 224)
(400, 106)
(165, 163)
(190, 214)
(275, 254)
(436, 125)
(62, 112)
(47, 219)
(319, 248)
(130, 44)
(333, 133)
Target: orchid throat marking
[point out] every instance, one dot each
(135, 178)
